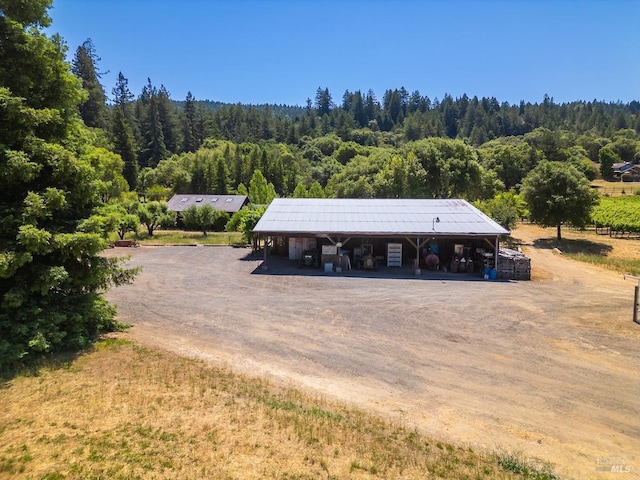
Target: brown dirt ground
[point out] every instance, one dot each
(549, 367)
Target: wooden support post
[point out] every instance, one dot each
(636, 298)
(264, 262)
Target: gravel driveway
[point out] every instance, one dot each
(549, 367)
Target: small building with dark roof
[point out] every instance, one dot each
(227, 203)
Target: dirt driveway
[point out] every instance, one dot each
(549, 367)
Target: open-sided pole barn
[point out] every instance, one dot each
(351, 223)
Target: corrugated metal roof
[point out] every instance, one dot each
(226, 203)
(350, 216)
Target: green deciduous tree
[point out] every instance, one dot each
(511, 159)
(110, 218)
(401, 177)
(261, 192)
(451, 166)
(300, 191)
(358, 178)
(245, 219)
(154, 215)
(315, 191)
(202, 218)
(52, 275)
(558, 193)
(607, 158)
(505, 208)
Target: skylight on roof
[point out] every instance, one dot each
(214, 199)
(229, 200)
(184, 199)
(199, 199)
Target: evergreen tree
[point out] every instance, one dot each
(372, 107)
(123, 98)
(51, 273)
(189, 124)
(324, 103)
(238, 167)
(148, 113)
(358, 110)
(94, 110)
(122, 132)
(222, 175)
(202, 125)
(167, 116)
(124, 145)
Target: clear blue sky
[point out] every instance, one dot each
(282, 51)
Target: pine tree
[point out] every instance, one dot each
(94, 110)
(167, 115)
(189, 124)
(122, 132)
(148, 114)
(221, 177)
(324, 103)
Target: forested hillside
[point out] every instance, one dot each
(403, 144)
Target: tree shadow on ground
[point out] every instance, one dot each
(572, 246)
(35, 367)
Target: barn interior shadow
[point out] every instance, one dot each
(279, 266)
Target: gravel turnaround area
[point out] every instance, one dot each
(549, 367)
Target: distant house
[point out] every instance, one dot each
(631, 174)
(620, 168)
(226, 203)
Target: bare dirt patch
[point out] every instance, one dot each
(548, 367)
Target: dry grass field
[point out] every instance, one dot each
(127, 412)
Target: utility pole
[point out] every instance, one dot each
(636, 298)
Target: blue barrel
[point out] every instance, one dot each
(493, 274)
(485, 271)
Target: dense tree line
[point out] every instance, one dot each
(152, 126)
(206, 147)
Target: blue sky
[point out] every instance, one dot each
(282, 51)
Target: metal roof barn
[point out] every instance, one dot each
(416, 221)
(376, 217)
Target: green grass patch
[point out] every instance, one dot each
(530, 469)
(183, 237)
